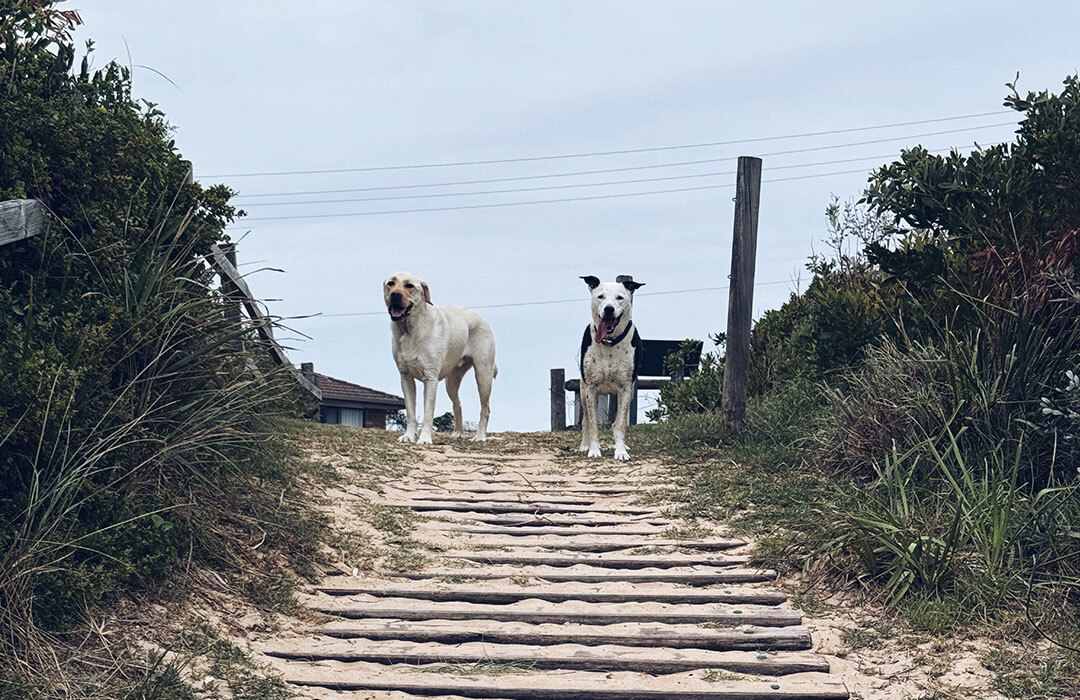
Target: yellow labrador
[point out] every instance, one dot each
(431, 343)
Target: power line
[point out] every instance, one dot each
(584, 184)
(559, 301)
(726, 159)
(538, 201)
(653, 149)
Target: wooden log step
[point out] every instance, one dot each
(542, 612)
(518, 496)
(559, 593)
(504, 507)
(585, 543)
(520, 476)
(544, 520)
(572, 685)
(625, 634)
(607, 561)
(514, 489)
(590, 574)
(561, 530)
(564, 656)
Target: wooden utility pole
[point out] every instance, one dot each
(741, 292)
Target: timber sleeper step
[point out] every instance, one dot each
(565, 530)
(565, 656)
(533, 611)
(597, 545)
(633, 634)
(644, 561)
(560, 593)
(702, 576)
(531, 520)
(507, 507)
(570, 685)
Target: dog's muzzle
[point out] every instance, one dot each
(397, 308)
(606, 325)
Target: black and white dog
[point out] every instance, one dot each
(610, 357)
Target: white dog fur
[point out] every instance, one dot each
(610, 356)
(431, 343)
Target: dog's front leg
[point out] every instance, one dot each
(408, 388)
(622, 420)
(586, 420)
(590, 430)
(431, 387)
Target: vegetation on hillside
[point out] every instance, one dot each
(919, 400)
(133, 441)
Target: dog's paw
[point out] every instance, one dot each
(407, 437)
(425, 439)
(622, 454)
(584, 447)
(480, 437)
(457, 434)
(594, 451)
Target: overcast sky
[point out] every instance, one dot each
(267, 86)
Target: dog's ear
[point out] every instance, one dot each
(427, 292)
(593, 282)
(628, 282)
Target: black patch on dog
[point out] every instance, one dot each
(592, 281)
(586, 341)
(628, 282)
(639, 351)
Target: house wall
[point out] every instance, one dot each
(375, 418)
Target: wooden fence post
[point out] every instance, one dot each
(741, 292)
(233, 315)
(558, 400)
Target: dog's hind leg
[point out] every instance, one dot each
(453, 386)
(622, 420)
(485, 375)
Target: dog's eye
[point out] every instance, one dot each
(389, 284)
(618, 298)
(408, 285)
(600, 296)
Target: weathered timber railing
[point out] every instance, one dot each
(20, 218)
(263, 325)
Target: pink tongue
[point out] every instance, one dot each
(602, 330)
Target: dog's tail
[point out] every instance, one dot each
(494, 371)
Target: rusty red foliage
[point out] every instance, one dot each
(1029, 274)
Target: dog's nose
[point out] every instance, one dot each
(609, 310)
(396, 298)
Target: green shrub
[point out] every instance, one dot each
(778, 424)
(700, 393)
(132, 434)
(893, 400)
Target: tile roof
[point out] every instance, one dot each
(338, 390)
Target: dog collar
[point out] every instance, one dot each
(613, 342)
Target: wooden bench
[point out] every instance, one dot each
(651, 375)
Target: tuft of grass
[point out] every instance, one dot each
(810, 604)
(397, 521)
(272, 592)
(856, 638)
(715, 676)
